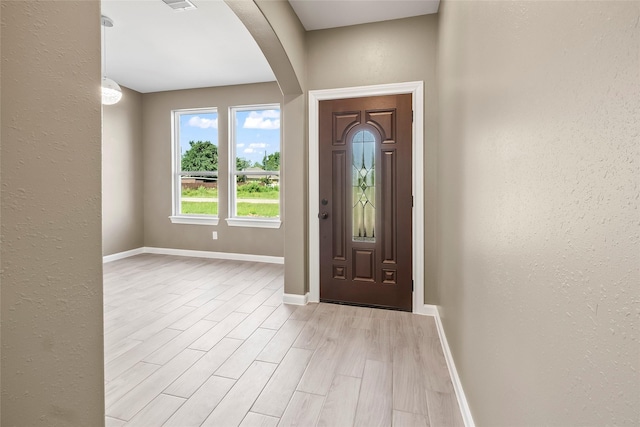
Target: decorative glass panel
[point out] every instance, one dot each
(363, 147)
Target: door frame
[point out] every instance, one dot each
(416, 89)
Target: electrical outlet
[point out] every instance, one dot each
(214, 235)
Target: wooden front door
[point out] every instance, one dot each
(366, 201)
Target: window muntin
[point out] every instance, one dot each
(255, 162)
(195, 152)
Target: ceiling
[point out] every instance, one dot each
(153, 48)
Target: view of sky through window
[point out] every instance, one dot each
(257, 134)
(198, 127)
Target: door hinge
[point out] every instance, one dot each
(411, 201)
(411, 285)
(412, 115)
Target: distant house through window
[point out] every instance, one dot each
(195, 166)
(254, 184)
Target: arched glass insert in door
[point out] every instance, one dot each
(363, 146)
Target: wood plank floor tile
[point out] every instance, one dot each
(126, 328)
(126, 360)
(406, 419)
(235, 405)
(218, 332)
(303, 410)
(153, 328)
(198, 407)
(228, 307)
(275, 299)
(281, 342)
(140, 396)
(322, 366)
(198, 373)
(443, 409)
(288, 364)
(313, 332)
(255, 301)
(258, 420)
(278, 317)
(375, 400)
(196, 315)
(244, 356)
(125, 382)
(340, 405)
(353, 352)
(202, 296)
(119, 348)
(435, 371)
(408, 377)
(251, 323)
(304, 312)
(157, 411)
(276, 395)
(378, 341)
(169, 350)
(113, 422)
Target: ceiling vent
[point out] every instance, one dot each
(179, 5)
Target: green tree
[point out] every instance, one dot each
(242, 163)
(201, 156)
(271, 162)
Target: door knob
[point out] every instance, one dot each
(323, 215)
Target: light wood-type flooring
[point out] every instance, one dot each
(201, 342)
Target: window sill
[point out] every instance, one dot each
(194, 220)
(253, 222)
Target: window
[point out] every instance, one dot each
(254, 183)
(195, 166)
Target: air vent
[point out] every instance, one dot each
(179, 5)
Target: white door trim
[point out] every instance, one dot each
(315, 96)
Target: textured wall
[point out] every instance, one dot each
(539, 189)
(156, 131)
(51, 295)
(292, 37)
(388, 52)
(122, 197)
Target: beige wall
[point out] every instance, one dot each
(122, 197)
(539, 190)
(292, 38)
(51, 295)
(156, 131)
(388, 52)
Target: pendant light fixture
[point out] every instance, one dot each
(111, 92)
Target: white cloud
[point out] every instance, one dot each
(266, 119)
(240, 145)
(203, 123)
(248, 150)
(258, 145)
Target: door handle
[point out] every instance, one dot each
(323, 215)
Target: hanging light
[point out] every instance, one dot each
(111, 92)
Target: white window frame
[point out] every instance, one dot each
(176, 166)
(233, 220)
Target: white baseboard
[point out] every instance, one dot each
(295, 299)
(122, 255)
(426, 310)
(215, 255)
(196, 254)
(457, 385)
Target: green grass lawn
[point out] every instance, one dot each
(200, 192)
(251, 190)
(262, 210)
(203, 208)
